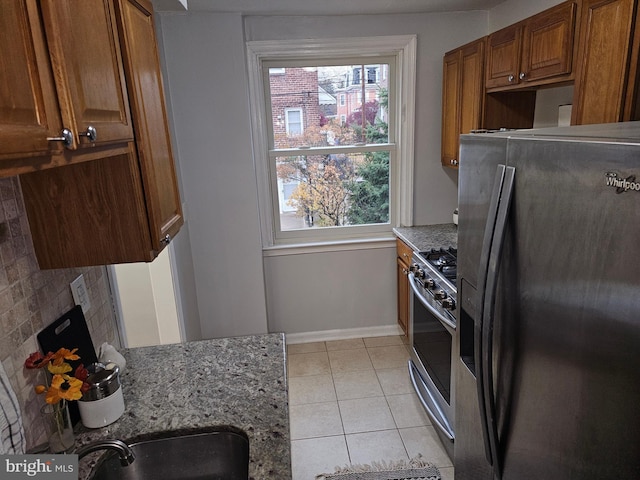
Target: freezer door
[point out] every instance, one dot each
(567, 327)
(482, 154)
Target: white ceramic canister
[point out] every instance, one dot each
(103, 403)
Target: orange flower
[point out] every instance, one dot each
(64, 387)
(37, 360)
(65, 354)
(64, 367)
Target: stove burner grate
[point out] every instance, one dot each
(444, 260)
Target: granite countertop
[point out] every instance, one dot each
(424, 237)
(231, 383)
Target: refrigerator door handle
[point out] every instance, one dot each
(482, 281)
(483, 330)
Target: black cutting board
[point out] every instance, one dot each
(70, 331)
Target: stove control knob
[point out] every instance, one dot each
(429, 283)
(414, 267)
(418, 272)
(449, 304)
(440, 295)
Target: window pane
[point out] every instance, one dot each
(329, 103)
(333, 190)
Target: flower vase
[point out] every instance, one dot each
(58, 426)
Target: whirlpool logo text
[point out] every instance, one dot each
(50, 467)
(622, 184)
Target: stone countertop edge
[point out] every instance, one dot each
(425, 237)
(236, 383)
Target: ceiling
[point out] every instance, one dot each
(323, 7)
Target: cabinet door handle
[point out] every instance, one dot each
(511, 78)
(91, 133)
(66, 137)
(522, 76)
(166, 240)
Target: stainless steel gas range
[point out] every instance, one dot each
(432, 328)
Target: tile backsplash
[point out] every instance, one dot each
(30, 299)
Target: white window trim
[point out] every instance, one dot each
(286, 119)
(403, 48)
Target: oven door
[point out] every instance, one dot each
(431, 336)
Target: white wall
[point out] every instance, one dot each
(512, 11)
(145, 300)
(206, 79)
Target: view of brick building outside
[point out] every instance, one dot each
(294, 97)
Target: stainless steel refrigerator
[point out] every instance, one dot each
(548, 377)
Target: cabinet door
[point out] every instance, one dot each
(404, 254)
(28, 108)
(602, 71)
(547, 49)
(503, 57)
(146, 95)
(403, 296)
(472, 87)
(450, 108)
(87, 68)
(88, 213)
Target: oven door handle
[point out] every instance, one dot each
(419, 296)
(436, 416)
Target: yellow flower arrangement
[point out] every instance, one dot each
(62, 386)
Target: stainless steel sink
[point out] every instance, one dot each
(212, 456)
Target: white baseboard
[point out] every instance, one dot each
(343, 334)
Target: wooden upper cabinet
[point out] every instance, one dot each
(450, 108)
(605, 77)
(124, 205)
(88, 213)
(472, 86)
(146, 95)
(536, 51)
(462, 100)
(503, 57)
(548, 43)
(85, 57)
(28, 108)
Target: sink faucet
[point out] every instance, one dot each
(124, 451)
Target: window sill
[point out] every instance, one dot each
(382, 241)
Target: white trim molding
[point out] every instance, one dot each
(402, 48)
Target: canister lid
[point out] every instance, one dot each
(103, 381)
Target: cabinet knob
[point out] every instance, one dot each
(511, 78)
(522, 76)
(91, 133)
(453, 161)
(166, 240)
(66, 137)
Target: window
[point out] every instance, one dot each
(332, 175)
(293, 118)
(356, 76)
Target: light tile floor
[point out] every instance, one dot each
(351, 401)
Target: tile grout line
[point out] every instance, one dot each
(335, 390)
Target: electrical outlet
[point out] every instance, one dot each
(80, 293)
